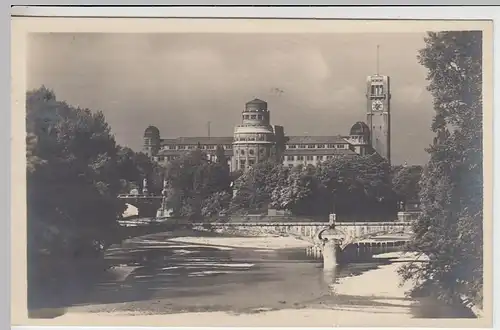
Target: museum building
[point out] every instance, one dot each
(255, 139)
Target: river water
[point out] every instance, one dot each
(157, 274)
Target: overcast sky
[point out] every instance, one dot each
(179, 82)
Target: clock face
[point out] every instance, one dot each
(377, 105)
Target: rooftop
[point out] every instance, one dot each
(167, 152)
(316, 139)
(204, 140)
(256, 101)
(318, 152)
(216, 140)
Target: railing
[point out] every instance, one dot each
(139, 196)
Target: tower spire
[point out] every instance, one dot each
(378, 62)
(208, 128)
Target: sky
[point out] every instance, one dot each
(180, 81)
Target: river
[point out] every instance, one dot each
(163, 273)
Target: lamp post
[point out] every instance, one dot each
(334, 213)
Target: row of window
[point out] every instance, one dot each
(317, 146)
(299, 158)
(258, 117)
(194, 146)
(172, 157)
(253, 137)
(250, 152)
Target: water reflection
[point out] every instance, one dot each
(156, 275)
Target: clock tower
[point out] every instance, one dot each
(378, 112)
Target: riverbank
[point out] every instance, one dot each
(373, 298)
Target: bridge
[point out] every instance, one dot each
(147, 205)
(330, 238)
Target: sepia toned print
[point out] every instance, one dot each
(265, 178)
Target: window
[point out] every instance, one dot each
(253, 116)
(310, 158)
(190, 147)
(251, 152)
(329, 157)
(290, 157)
(242, 151)
(171, 147)
(291, 146)
(380, 90)
(321, 146)
(181, 147)
(311, 146)
(245, 116)
(242, 164)
(228, 146)
(373, 90)
(300, 157)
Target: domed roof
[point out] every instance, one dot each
(360, 128)
(152, 131)
(256, 101)
(256, 105)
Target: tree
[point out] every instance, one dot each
(220, 155)
(72, 184)
(354, 181)
(405, 182)
(301, 193)
(192, 179)
(133, 167)
(255, 186)
(449, 230)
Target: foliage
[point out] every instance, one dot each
(134, 167)
(360, 180)
(344, 182)
(72, 183)
(191, 179)
(301, 193)
(255, 186)
(216, 203)
(449, 230)
(405, 182)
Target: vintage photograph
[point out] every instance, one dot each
(334, 177)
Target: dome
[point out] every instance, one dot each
(360, 128)
(256, 105)
(152, 131)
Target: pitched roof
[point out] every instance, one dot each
(167, 152)
(193, 140)
(318, 152)
(316, 139)
(215, 140)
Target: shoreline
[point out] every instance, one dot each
(374, 297)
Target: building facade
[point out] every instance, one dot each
(255, 139)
